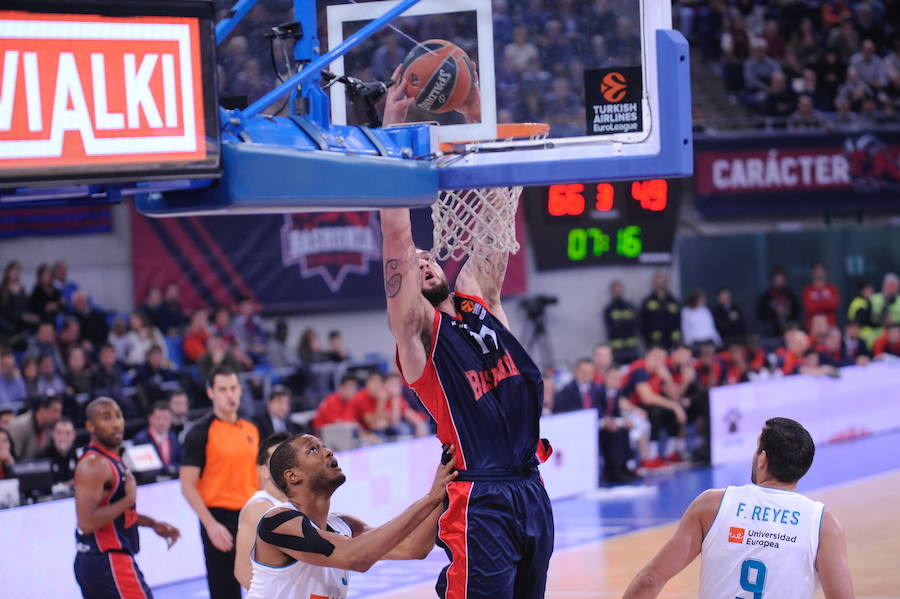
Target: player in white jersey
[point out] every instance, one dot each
(304, 552)
(759, 541)
(259, 503)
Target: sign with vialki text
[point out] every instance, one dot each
(89, 97)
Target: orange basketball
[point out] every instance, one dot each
(438, 74)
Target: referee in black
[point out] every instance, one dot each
(218, 476)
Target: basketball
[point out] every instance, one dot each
(438, 74)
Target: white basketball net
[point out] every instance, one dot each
(478, 222)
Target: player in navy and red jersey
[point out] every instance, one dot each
(486, 395)
(649, 386)
(107, 533)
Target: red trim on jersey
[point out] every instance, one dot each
(106, 536)
(127, 582)
(430, 391)
(453, 528)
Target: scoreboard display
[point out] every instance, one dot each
(594, 224)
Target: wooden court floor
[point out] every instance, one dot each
(869, 510)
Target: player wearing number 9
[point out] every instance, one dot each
(758, 541)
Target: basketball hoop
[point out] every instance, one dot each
(479, 221)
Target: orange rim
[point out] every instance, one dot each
(508, 131)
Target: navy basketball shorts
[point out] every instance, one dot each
(111, 575)
(498, 535)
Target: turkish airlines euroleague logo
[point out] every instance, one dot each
(83, 89)
(614, 87)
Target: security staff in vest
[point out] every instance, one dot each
(218, 476)
(621, 318)
(661, 315)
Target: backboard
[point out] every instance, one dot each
(319, 108)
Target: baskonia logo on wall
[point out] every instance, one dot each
(331, 245)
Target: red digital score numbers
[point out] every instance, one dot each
(569, 199)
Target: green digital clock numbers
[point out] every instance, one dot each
(587, 224)
(593, 242)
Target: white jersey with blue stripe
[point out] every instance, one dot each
(762, 544)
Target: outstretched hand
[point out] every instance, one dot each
(396, 103)
(445, 474)
(167, 532)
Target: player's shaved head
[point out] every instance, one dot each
(96, 406)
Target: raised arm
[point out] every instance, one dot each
(407, 309)
(293, 534)
(831, 560)
(482, 276)
(417, 545)
(679, 551)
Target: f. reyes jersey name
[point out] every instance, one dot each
(83, 89)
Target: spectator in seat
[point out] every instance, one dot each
(777, 306)
(644, 389)
(521, 50)
(61, 452)
(401, 418)
(854, 90)
(79, 384)
(153, 379)
(61, 281)
(152, 306)
(159, 433)
(107, 378)
(756, 355)
(30, 432)
(336, 352)
(844, 119)
(820, 297)
(277, 417)
(621, 319)
(222, 325)
(806, 117)
(15, 319)
(737, 369)
(602, 359)
(759, 69)
(44, 344)
(171, 314)
(118, 338)
(831, 351)
(577, 395)
(710, 368)
(339, 406)
(248, 331)
(12, 387)
(45, 300)
(196, 336)
(870, 67)
(309, 349)
(7, 454)
(143, 336)
(614, 429)
(844, 40)
(780, 100)
(853, 348)
(728, 317)
(217, 354)
(31, 377)
(180, 407)
(818, 329)
(801, 358)
(830, 72)
(278, 354)
(683, 372)
(886, 303)
(70, 336)
(860, 309)
(91, 321)
(697, 324)
(888, 342)
(661, 315)
(49, 382)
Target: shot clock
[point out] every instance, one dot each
(593, 224)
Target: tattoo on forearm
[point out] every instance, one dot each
(393, 280)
